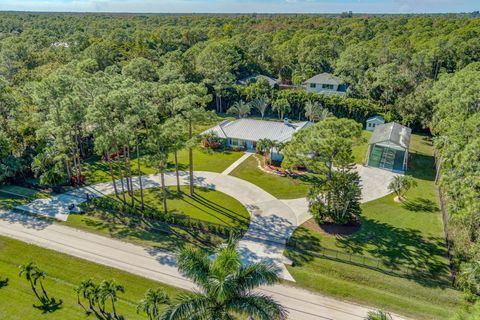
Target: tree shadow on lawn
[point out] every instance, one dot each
(420, 205)
(206, 206)
(3, 282)
(421, 166)
(165, 236)
(398, 248)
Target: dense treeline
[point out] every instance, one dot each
(75, 85)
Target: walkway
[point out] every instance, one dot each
(236, 163)
(159, 265)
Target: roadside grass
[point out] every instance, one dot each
(12, 196)
(278, 186)
(96, 169)
(398, 235)
(8, 202)
(64, 274)
(207, 205)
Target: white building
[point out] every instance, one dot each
(325, 83)
(373, 122)
(245, 133)
(388, 147)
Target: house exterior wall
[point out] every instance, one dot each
(247, 144)
(318, 87)
(370, 125)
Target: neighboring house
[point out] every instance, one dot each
(388, 147)
(60, 44)
(373, 122)
(326, 83)
(271, 81)
(245, 133)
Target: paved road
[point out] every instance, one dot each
(158, 265)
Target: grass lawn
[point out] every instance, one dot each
(64, 274)
(278, 186)
(399, 235)
(287, 187)
(208, 205)
(12, 196)
(360, 148)
(97, 170)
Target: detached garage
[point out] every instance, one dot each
(388, 147)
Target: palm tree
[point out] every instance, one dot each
(241, 108)
(312, 110)
(150, 303)
(225, 287)
(261, 105)
(315, 112)
(378, 315)
(400, 185)
(32, 274)
(265, 146)
(89, 291)
(108, 290)
(282, 106)
(324, 114)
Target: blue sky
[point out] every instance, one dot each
(242, 6)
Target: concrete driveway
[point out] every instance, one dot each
(272, 221)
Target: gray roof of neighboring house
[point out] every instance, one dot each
(271, 81)
(393, 133)
(379, 118)
(325, 78)
(254, 130)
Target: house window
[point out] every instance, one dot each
(313, 85)
(373, 125)
(369, 125)
(327, 86)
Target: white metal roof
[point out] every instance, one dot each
(254, 130)
(325, 78)
(393, 133)
(376, 118)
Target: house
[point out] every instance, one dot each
(326, 83)
(388, 147)
(244, 133)
(373, 122)
(252, 79)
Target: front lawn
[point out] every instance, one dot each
(278, 186)
(207, 205)
(64, 274)
(97, 170)
(398, 257)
